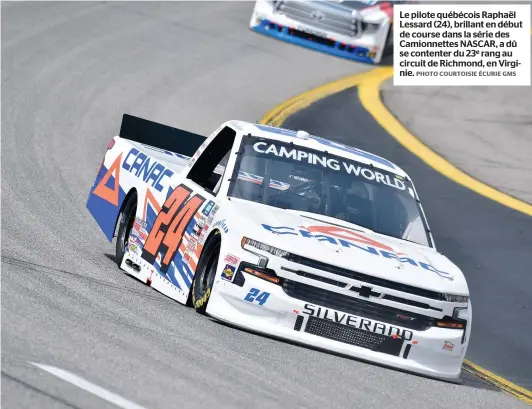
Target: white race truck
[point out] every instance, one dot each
(288, 234)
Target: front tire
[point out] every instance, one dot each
(205, 274)
(127, 218)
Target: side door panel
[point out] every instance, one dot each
(170, 243)
(171, 224)
(167, 233)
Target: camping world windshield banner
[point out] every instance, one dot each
(329, 162)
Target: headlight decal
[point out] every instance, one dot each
(263, 247)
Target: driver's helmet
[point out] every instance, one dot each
(357, 189)
(355, 203)
(356, 196)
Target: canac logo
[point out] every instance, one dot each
(146, 168)
(350, 239)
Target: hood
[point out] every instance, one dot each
(349, 246)
(369, 10)
(353, 4)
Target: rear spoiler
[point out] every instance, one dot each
(160, 136)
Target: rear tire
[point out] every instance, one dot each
(205, 273)
(126, 220)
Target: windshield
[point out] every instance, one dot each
(312, 181)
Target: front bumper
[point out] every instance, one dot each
(435, 352)
(364, 49)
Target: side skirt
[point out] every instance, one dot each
(146, 273)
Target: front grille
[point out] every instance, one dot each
(410, 302)
(305, 12)
(355, 306)
(316, 277)
(359, 289)
(354, 336)
(311, 37)
(366, 278)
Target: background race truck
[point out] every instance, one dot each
(357, 29)
(287, 234)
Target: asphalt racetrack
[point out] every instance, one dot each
(69, 71)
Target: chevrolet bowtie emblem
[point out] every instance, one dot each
(364, 291)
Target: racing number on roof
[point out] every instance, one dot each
(167, 231)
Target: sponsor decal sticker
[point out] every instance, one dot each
(203, 234)
(212, 214)
(134, 240)
(139, 229)
(255, 295)
(448, 346)
(208, 208)
(230, 259)
(228, 272)
(199, 226)
(141, 222)
(197, 154)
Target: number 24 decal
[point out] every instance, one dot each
(170, 225)
(254, 295)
